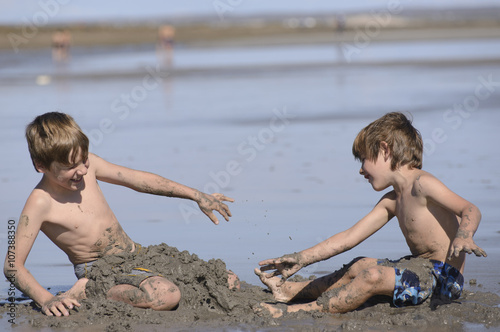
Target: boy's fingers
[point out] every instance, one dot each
(226, 208)
(212, 217)
(272, 274)
(451, 253)
(267, 268)
(227, 199)
(224, 211)
(62, 308)
(270, 261)
(222, 197)
(480, 252)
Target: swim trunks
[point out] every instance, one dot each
(419, 278)
(133, 277)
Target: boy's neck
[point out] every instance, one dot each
(403, 177)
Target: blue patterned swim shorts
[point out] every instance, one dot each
(419, 278)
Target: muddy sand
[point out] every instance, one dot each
(208, 304)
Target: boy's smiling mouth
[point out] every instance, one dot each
(77, 180)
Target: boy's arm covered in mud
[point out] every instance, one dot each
(288, 265)
(150, 183)
(469, 215)
(14, 266)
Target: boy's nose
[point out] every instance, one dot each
(82, 170)
(361, 171)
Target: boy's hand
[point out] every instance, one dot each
(59, 305)
(209, 203)
(286, 266)
(467, 245)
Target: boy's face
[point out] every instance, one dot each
(68, 176)
(376, 172)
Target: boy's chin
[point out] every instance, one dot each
(378, 188)
(75, 186)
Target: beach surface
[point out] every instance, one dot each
(270, 124)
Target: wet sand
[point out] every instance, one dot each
(208, 304)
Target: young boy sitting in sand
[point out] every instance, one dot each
(69, 207)
(437, 224)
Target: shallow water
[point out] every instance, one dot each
(276, 140)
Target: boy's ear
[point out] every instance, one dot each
(40, 168)
(384, 148)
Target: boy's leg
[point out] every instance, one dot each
(156, 293)
(377, 280)
(312, 289)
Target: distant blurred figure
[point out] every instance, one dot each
(61, 41)
(340, 23)
(165, 46)
(339, 30)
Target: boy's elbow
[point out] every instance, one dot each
(471, 212)
(9, 269)
(477, 211)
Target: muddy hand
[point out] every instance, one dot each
(210, 203)
(58, 306)
(469, 247)
(286, 266)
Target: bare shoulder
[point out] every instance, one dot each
(426, 183)
(94, 161)
(99, 165)
(388, 202)
(38, 204)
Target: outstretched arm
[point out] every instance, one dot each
(157, 185)
(288, 265)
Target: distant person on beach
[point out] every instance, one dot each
(61, 41)
(438, 226)
(69, 207)
(165, 45)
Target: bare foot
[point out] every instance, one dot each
(279, 293)
(272, 309)
(233, 280)
(78, 290)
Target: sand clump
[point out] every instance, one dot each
(208, 304)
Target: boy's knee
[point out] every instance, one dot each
(373, 275)
(164, 294)
(356, 266)
(170, 300)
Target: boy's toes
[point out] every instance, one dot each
(266, 309)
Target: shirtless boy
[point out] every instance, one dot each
(438, 226)
(69, 207)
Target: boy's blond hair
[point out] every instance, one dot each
(55, 137)
(404, 141)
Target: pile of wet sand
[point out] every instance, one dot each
(208, 304)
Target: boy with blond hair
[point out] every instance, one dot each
(438, 226)
(69, 207)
